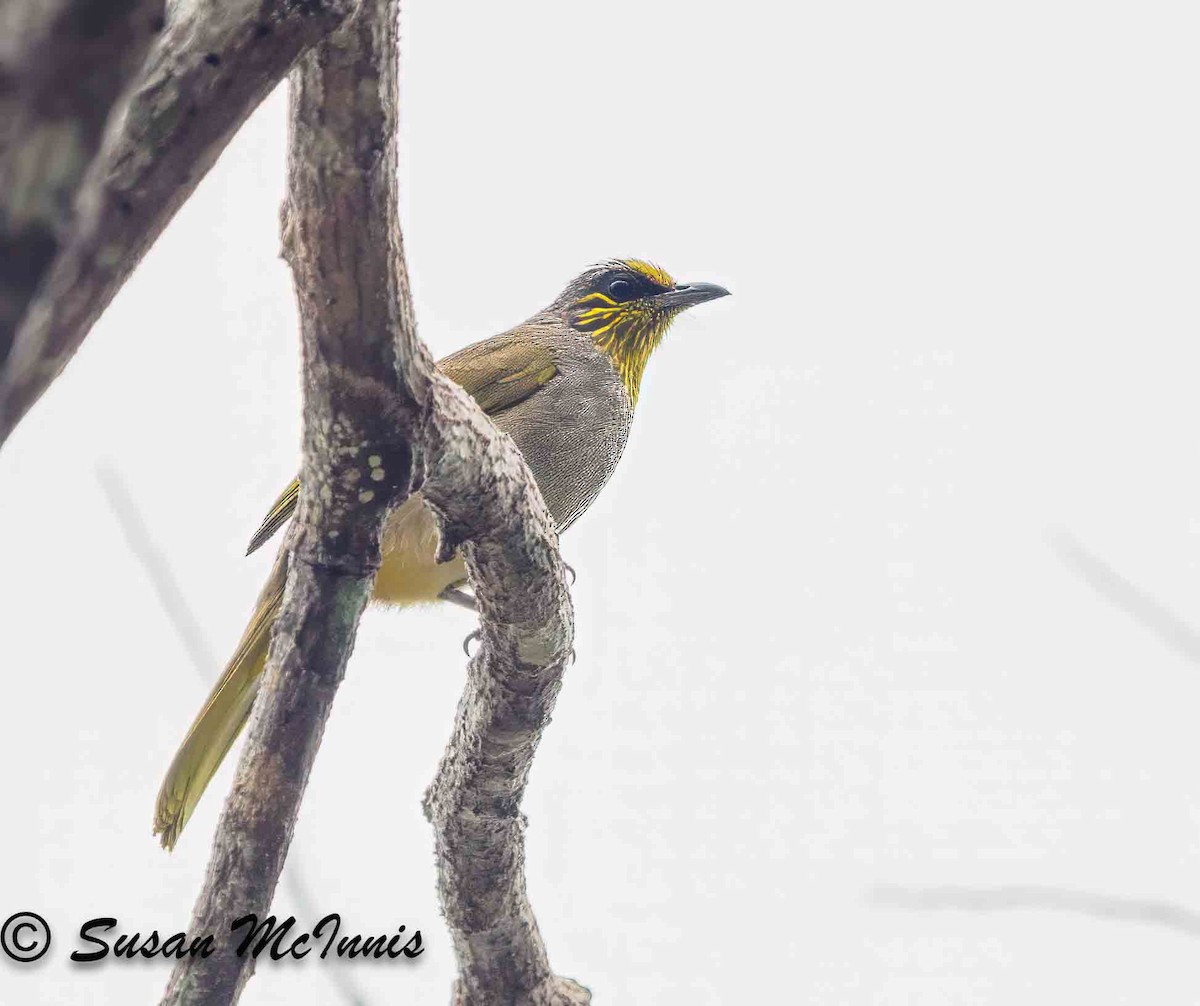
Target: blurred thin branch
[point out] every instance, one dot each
(1028, 897)
(1134, 601)
(1181, 637)
(157, 568)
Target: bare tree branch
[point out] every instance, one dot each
(354, 312)
(210, 67)
(380, 422)
(1031, 897)
(63, 66)
(158, 569)
(513, 681)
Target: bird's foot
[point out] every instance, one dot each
(459, 597)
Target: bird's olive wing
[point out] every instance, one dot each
(498, 373)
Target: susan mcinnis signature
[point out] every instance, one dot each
(26, 937)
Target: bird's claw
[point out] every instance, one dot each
(571, 570)
(467, 642)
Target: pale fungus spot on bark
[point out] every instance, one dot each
(343, 430)
(375, 462)
(366, 496)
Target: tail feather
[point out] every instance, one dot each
(222, 717)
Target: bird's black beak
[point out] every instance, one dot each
(686, 295)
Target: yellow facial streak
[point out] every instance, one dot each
(627, 332)
(628, 337)
(597, 298)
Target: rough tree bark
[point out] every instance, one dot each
(513, 680)
(171, 595)
(207, 70)
(379, 422)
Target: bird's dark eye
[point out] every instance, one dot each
(621, 290)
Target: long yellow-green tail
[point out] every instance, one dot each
(222, 717)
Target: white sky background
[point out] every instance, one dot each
(825, 639)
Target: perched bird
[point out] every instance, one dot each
(563, 385)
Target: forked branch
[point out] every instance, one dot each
(379, 422)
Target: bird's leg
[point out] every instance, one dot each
(464, 600)
(459, 597)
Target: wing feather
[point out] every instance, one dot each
(498, 373)
(279, 515)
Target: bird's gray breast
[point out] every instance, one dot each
(572, 431)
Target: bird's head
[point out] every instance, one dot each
(626, 306)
